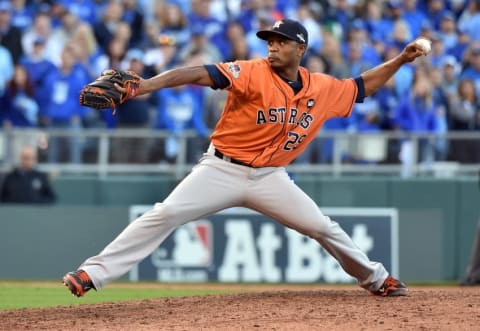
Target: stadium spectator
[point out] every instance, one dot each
(10, 35)
(332, 52)
(63, 110)
(256, 46)
(401, 34)
(306, 16)
(472, 67)
(404, 76)
(132, 114)
(355, 62)
(173, 23)
(457, 7)
(38, 67)
(416, 114)
(180, 109)
(376, 24)
(200, 43)
(339, 15)
(42, 29)
(427, 30)
(85, 48)
(463, 44)
(438, 53)
(201, 19)
(66, 29)
(450, 76)
(358, 34)
(395, 10)
(135, 19)
(414, 17)
(185, 5)
(388, 100)
(448, 31)
(106, 26)
(289, 8)
(236, 38)
(464, 114)
(252, 10)
(440, 101)
(435, 11)
(112, 58)
(18, 106)
(22, 15)
(213, 107)
(161, 55)
(361, 57)
(26, 184)
(6, 68)
(469, 20)
(123, 32)
(85, 10)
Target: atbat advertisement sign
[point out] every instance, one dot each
(240, 245)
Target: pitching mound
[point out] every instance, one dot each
(315, 308)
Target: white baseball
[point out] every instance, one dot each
(425, 44)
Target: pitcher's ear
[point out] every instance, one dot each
(303, 49)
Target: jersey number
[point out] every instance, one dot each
(293, 141)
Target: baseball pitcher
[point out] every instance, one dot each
(274, 109)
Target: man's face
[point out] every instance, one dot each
(475, 60)
(28, 159)
(4, 19)
(283, 52)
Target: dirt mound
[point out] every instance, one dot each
(427, 308)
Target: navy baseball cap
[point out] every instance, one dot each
(286, 28)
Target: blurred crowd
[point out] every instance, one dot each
(50, 49)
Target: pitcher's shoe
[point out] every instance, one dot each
(78, 282)
(391, 287)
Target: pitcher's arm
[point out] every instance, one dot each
(376, 77)
(197, 75)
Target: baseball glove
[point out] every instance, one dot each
(102, 94)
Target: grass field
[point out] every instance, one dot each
(14, 295)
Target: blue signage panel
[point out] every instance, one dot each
(239, 245)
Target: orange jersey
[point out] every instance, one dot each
(264, 123)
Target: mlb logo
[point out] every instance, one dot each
(191, 245)
(235, 69)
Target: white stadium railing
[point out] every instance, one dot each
(351, 153)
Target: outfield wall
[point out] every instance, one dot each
(437, 220)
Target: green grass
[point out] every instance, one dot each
(29, 295)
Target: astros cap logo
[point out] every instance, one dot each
(277, 24)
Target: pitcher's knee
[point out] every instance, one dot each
(160, 213)
(319, 228)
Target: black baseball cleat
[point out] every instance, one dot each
(391, 287)
(78, 282)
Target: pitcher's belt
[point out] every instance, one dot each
(222, 156)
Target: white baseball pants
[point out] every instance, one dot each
(214, 185)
